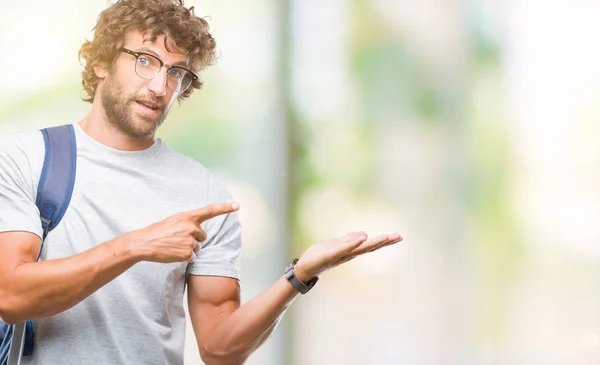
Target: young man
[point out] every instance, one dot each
(143, 220)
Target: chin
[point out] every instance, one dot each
(147, 127)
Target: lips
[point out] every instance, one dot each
(148, 103)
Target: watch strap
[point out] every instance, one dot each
(298, 284)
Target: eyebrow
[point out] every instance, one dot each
(148, 50)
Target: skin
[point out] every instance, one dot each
(227, 333)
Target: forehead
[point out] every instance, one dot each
(140, 41)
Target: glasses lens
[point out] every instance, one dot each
(147, 66)
(179, 79)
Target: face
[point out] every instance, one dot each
(134, 105)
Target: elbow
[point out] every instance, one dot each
(8, 320)
(8, 312)
(211, 356)
(11, 311)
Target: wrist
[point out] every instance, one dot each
(302, 273)
(128, 248)
(300, 279)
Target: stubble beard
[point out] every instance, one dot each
(121, 115)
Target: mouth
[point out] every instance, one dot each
(149, 106)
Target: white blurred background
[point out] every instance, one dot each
(470, 127)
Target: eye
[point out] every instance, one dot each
(143, 61)
(175, 73)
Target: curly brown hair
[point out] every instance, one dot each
(189, 33)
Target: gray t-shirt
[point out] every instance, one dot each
(138, 318)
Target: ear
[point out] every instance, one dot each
(101, 72)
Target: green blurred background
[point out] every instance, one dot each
(467, 126)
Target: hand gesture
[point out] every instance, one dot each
(327, 254)
(177, 238)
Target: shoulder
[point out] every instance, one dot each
(21, 141)
(196, 177)
(24, 148)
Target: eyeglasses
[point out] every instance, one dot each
(147, 66)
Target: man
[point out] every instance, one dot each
(143, 220)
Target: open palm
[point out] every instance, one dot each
(324, 255)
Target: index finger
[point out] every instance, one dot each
(213, 210)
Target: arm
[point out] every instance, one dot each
(32, 290)
(227, 334)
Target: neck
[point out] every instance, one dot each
(97, 126)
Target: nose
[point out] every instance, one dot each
(158, 85)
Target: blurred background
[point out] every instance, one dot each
(469, 127)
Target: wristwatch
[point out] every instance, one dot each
(290, 275)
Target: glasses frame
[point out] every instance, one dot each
(162, 64)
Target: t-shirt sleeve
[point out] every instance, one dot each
(220, 253)
(18, 211)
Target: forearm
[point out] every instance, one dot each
(236, 337)
(40, 289)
